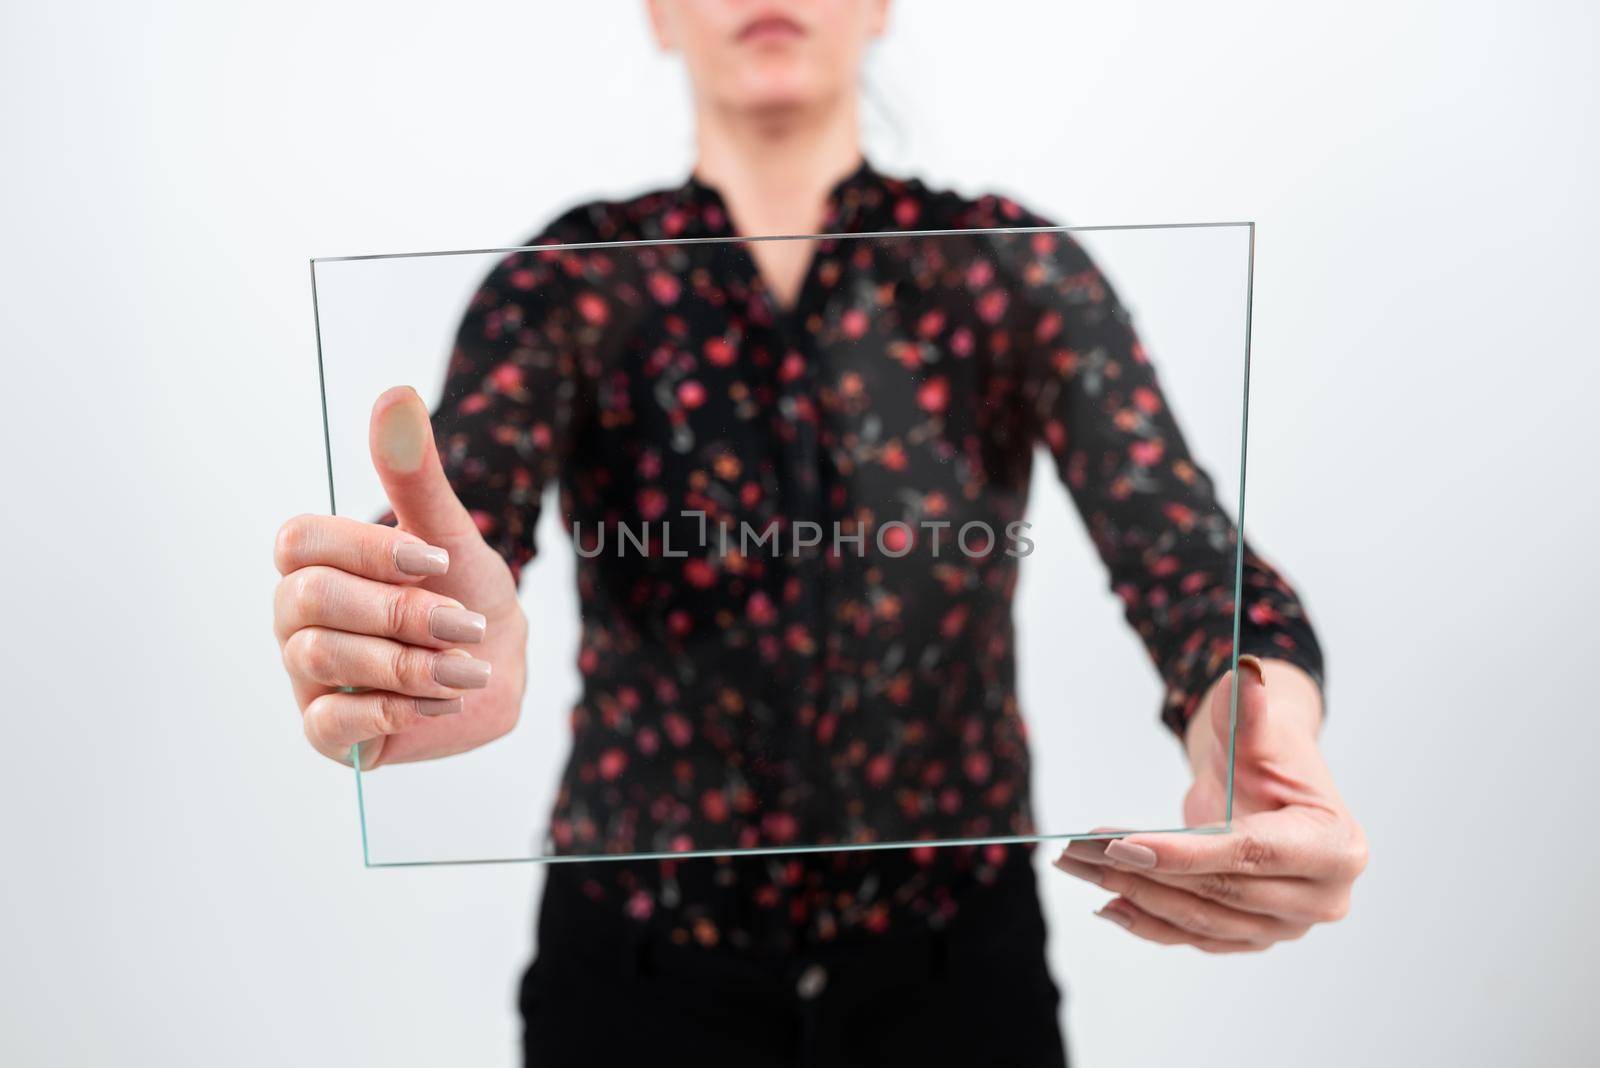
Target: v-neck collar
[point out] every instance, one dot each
(851, 204)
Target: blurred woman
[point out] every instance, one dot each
(749, 701)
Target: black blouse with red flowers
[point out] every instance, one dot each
(860, 690)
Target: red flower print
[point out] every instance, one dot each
(714, 805)
(593, 308)
(652, 503)
(664, 287)
(760, 610)
(679, 623)
(826, 727)
(992, 305)
(691, 394)
(678, 730)
(1048, 326)
(879, 768)
(612, 763)
(906, 354)
(1146, 453)
(640, 906)
(1262, 613)
(954, 621)
(699, 573)
(779, 827)
(853, 324)
(719, 353)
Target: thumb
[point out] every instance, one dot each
(407, 461)
(1251, 679)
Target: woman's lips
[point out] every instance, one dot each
(771, 28)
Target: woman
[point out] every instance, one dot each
(824, 697)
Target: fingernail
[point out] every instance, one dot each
(1087, 851)
(440, 706)
(450, 624)
(420, 558)
(1255, 665)
(369, 755)
(460, 671)
(1078, 869)
(1131, 853)
(1115, 917)
(401, 433)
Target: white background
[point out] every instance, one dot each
(180, 883)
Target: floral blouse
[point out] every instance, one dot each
(798, 533)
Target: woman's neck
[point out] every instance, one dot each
(775, 172)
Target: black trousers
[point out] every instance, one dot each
(606, 991)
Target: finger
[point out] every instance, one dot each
(1132, 918)
(320, 596)
(1186, 911)
(368, 549)
(336, 721)
(335, 658)
(407, 461)
(1093, 850)
(1299, 901)
(1252, 701)
(1281, 842)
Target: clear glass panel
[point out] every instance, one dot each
(922, 558)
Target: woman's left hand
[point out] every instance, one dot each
(1291, 856)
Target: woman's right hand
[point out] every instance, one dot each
(422, 618)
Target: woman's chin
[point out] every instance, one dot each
(779, 91)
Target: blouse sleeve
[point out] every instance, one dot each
(1152, 512)
(514, 394)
